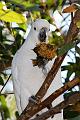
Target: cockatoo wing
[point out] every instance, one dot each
(16, 83)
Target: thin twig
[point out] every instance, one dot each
(5, 84)
(7, 93)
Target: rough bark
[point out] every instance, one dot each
(59, 107)
(38, 107)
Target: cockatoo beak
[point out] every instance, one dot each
(42, 35)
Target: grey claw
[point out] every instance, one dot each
(33, 99)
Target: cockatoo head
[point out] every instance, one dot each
(40, 30)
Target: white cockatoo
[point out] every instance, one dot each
(27, 79)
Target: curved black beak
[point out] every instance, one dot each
(42, 35)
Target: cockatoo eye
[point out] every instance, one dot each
(34, 28)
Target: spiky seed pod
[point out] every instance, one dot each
(46, 51)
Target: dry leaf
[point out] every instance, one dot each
(45, 50)
(71, 8)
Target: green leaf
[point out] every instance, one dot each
(11, 16)
(23, 26)
(17, 1)
(4, 107)
(68, 112)
(56, 40)
(68, 67)
(50, 2)
(1, 81)
(68, 94)
(29, 5)
(60, 2)
(19, 41)
(69, 73)
(17, 114)
(18, 28)
(78, 24)
(65, 48)
(2, 5)
(59, 5)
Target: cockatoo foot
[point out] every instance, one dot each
(33, 99)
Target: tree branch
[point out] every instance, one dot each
(38, 107)
(5, 84)
(59, 107)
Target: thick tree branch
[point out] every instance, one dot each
(59, 107)
(38, 107)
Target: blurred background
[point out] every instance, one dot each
(15, 20)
